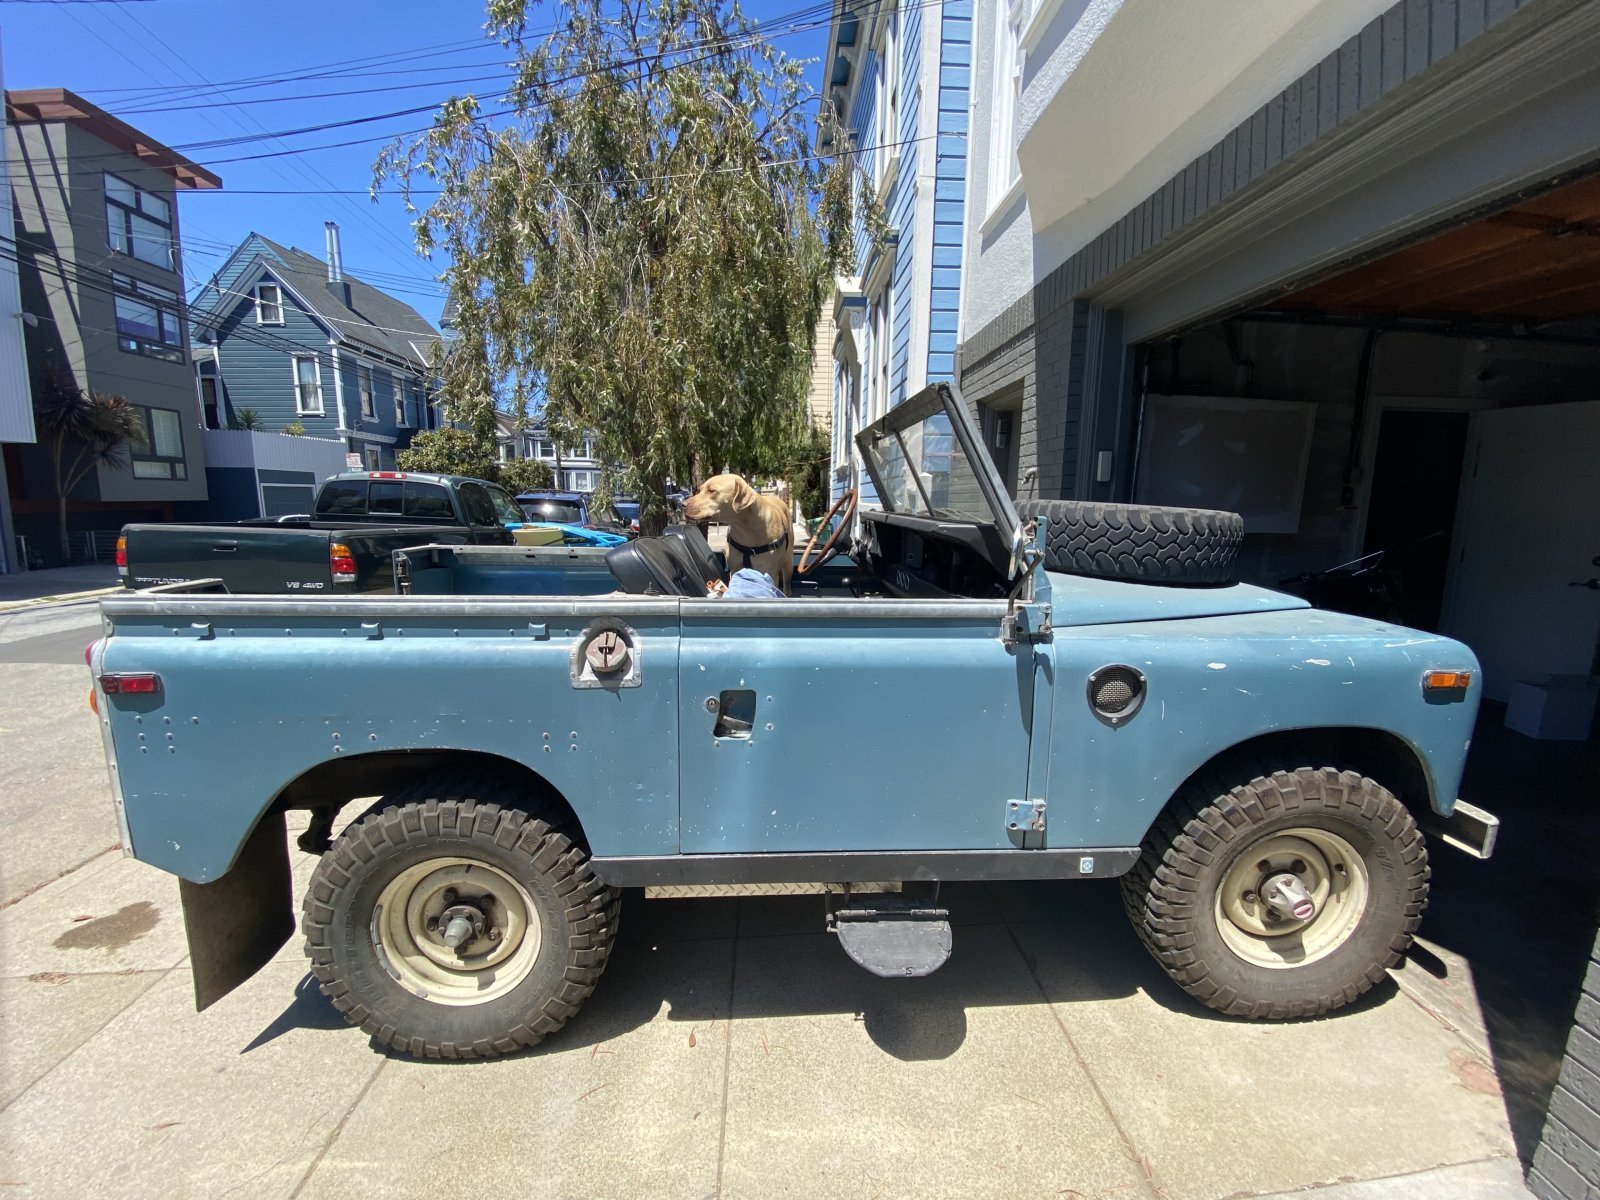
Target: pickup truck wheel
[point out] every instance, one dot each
(1288, 896)
(457, 929)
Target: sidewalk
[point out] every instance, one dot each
(56, 583)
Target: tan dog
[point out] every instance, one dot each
(760, 534)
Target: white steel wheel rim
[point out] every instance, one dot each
(479, 970)
(1331, 872)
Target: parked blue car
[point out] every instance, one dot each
(975, 690)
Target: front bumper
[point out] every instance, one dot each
(1468, 828)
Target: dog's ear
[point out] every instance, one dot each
(744, 496)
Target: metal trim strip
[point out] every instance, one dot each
(676, 870)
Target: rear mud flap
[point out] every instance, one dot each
(237, 923)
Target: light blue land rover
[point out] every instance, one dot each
(1077, 691)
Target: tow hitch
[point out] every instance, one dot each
(894, 935)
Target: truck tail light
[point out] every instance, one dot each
(122, 556)
(135, 684)
(342, 562)
(386, 474)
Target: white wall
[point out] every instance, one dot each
(1117, 98)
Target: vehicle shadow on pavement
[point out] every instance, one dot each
(309, 1009)
(1525, 920)
(1015, 945)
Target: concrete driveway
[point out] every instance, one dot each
(731, 1050)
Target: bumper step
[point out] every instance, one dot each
(895, 937)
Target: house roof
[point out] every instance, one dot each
(58, 104)
(373, 318)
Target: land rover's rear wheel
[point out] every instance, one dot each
(451, 928)
(1287, 896)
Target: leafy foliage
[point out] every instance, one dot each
(246, 418)
(451, 451)
(643, 242)
(526, 475)
(82, 430)
(295, 429)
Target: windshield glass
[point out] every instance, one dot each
(922, 470)
(561, 511)
(504, 507)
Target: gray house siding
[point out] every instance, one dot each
(1039, 342)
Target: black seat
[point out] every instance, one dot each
(705, 561)
(646, 567)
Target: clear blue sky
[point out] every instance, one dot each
(133, 56)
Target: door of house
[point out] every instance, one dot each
(1528, 529)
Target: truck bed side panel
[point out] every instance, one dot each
(249, 704)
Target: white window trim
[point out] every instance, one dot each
(1004, 178)
(261, 320)
(300, 409)
(890, 84)
(399, 399)
(366, 395)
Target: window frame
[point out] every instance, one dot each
(1005, 171)
(397, 382)
(300, 409)
(177, 464)
(166, 304)
(262, 306)
(138, 210)
(369, 403)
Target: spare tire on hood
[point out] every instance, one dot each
(1139, 543)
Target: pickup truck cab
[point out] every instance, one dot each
(1071, 691)
(345, 547)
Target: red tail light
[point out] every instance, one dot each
(386, 474)
(342, 562)
(122, 555)
(130, 684)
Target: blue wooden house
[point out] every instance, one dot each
(898, 89)
(304, 346)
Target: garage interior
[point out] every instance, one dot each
(1439, 404)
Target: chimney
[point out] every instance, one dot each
(336, 280)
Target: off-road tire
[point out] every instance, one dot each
(1140, 543)
(486, 823)
(1171, 894)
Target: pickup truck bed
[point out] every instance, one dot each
(255, 558)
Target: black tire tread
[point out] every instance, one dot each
(1139, 543)
(1162, 896)
(449, 805)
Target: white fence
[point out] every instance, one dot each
(273, 451)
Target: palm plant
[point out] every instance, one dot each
(82, 430)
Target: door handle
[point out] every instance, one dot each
(225, 547)
(1592, 584)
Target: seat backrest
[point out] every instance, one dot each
(645, 566)
(703, 559)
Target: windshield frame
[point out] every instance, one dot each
(933, 400)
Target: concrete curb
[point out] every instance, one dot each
(62, 598)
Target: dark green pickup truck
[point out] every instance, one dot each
(346, 546)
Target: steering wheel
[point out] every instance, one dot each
(806, 562)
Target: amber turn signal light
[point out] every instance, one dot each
(1446, 681)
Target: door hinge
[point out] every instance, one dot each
(1025, 823)
(1027, 623)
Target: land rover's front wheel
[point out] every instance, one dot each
(1286, 896)
(451, 928)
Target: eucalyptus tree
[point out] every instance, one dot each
(640, 239)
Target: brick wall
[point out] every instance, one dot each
(1566, 1165)
(1043, 360)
